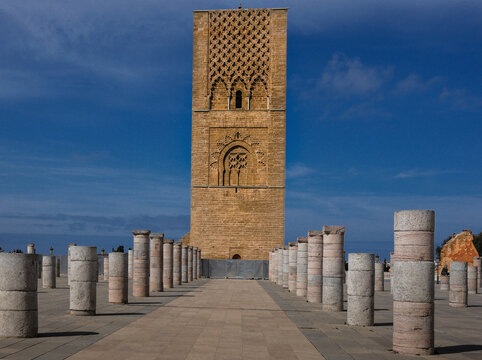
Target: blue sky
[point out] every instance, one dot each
(384, 108)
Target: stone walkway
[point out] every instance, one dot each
(232, 319)
(61, 335)
(224, 319)
(458, 331)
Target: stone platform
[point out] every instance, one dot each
(231, 319)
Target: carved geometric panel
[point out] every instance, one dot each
(237, 156)
(239, 48)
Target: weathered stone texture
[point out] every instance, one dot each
(238, 154)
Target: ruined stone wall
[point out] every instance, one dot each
(238, 147)
(459, 248)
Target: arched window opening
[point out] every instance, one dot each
(236, 167)
(236, 257)
(239, 99)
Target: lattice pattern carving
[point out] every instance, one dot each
(239, 47)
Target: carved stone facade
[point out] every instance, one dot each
(238, 132)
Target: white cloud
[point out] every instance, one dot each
(460, 99)
(345, 76)
(412, 173)
(414, 83)
(298, 171)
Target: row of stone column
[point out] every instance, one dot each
(167, 264)
(412, 278)
(462, 281)
(313, 267)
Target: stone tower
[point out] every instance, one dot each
(238, 132)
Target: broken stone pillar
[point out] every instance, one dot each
(199, 262)
(176, 272)
(68, 262)
(57, 267)
(276, 265)
(472, 280)
(83, 266)
(168, 264)
(280, 266)
(360, 289)
(49, 265)
(18, 294)
(413, 293)
(140, 287)
(379, 276)
(292, 257)
(302, 267)
(194, 262)
(270, 265)
(130, 259)
(286, 267)
(444, 282)
(39, 266)
(184, 263)
(314, 288)
(118, 278)
(30, 248)
(478, 265)
(156, 263)
(333, 267)
(189, 264)
(106, 268)
(458, 284)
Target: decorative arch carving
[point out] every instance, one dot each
(237, 160)
(219, 95)
(258, 95)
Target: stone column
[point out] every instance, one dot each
(18, 294)
(360, 287)
(472, 280)
(106, 268)
(444, 283)
(140, 286)
(184, 264)
(392, 274)
(194, 262)
(270, 264)
(275, 265)
(292, 258)
(280, 266)
(315, 267)
(189, 264)
(30, 248)
(68, 262)
(379, 276)
(83, 265)
(199, 262)
(118, 278)
(156, 263)
(286, 267)
(458, 284)
(302, 267)
(57, 267)
(333, 267)
(130, 259)
(49, 265)
(413, 293)
(478, 265)
(176, 254)
(168, 264)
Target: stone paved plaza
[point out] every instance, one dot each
(231, 319)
